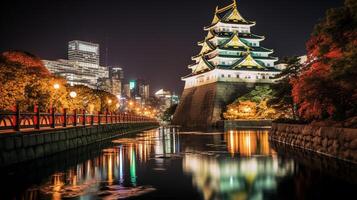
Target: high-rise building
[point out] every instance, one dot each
(144, 91)
(116, 76)
(139, 88)
(127, 92)
(82, 66)
(166, 99)
(82, 51)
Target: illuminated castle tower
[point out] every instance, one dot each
(229, 64)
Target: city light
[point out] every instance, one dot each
(73, 94)
(56, 86)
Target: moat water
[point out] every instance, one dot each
(237, 164)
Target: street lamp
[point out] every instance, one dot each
(56, 86)
(110, 101)
(73, 94)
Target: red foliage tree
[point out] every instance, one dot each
(31, 63)
(326, 88)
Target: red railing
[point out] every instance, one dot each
(36, 120)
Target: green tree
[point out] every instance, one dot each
(282, 99)
(168, 113)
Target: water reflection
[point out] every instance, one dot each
(248, 142)
(243, 177)
(237, 164)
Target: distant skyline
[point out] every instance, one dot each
(152, 40)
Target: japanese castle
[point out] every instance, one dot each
(229, 65)
(231, 53)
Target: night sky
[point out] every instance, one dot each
(150, 39)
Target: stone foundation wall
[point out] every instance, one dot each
(21, 147)
(202, 107)
(339, 143)
(233, 124)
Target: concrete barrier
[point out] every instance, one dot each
(21, 147)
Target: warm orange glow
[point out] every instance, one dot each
(73, 94)
(56, 86)
(246, 143)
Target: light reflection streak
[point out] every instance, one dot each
(247, 176)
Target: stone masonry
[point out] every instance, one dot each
(339, 143)
(21, 147)
(202, 107)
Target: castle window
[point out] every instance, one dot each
(237, 75)
(222, 75)
(229, 75)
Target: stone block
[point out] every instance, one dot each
(30, 153)
(324, 142)
(349, 134)
(353, 145)
(55, 136)
(62, 146)
(354, 155)
(21, 155)
(40, 139)
(54, 147)
(39, 151)
(73, 144)
(10, 157)
(47, 149)
(84, 141)
(63, 135)
(48, 138)
(18, 142)
(9, 143)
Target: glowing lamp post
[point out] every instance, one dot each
(56, 86)
(73, 94)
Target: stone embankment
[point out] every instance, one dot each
(339, 143)
(20, 147)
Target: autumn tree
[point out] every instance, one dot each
(23, 80)
(327, 86)
(107, 101)
(252, 105)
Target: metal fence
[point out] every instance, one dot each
(36, 120)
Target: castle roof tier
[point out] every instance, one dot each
(230, 45)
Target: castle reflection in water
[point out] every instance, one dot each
(233, 165)
(252, 169)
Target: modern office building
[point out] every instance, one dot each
(126, 90)
(116, 76)
(139, 88)
(166, 99)
(82, 66)
(82, 51)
